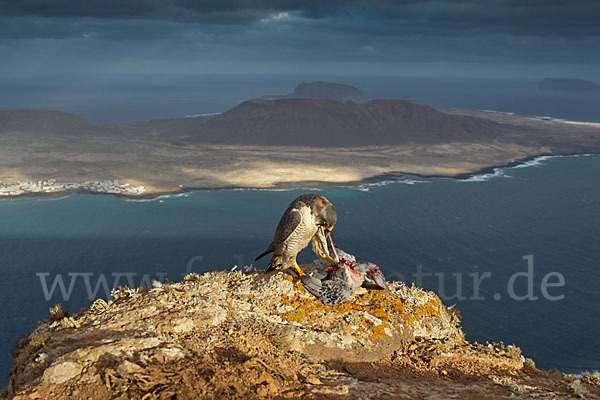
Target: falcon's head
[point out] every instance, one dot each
(323, 212)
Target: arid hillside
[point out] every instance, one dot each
(318, 122)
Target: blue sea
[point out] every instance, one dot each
(517, 250)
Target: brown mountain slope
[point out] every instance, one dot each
(319, 122)
(45, 122)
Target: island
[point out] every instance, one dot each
(324, 90)
(568, 84)
(271, 143)
(327, 90)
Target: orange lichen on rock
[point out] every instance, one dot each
(378, 303)
(379, 312)
(427, 310)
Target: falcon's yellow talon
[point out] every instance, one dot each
(331, 260)
(298, 270)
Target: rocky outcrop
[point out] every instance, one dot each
(43, 122)
(327, 90)
(234, 335)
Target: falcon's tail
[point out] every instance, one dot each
(267, 251)
(275, 262)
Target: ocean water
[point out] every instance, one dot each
(444, 234)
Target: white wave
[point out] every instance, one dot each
(499, 112)
(187, 194)
(411, 181)
(287, 189)
(265, 189)
(546, 118)
(572, 155)
(498, 173)
(159, 198)
(536, 162)
(533, 163)
(380, 183)
(567, 121)
(366, 187)
(202, 115)
(140, 200)
(53, 198)
(41, 197)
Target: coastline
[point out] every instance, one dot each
(290, 185)
(169, 166)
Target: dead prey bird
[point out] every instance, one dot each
(340, 279)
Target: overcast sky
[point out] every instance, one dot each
(495, 38)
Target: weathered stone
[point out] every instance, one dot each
(61, 372)
(183, 325)
(172, 353)
(127, 368)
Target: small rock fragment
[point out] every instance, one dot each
(128, 368)
(373, 319)
(313, 380)
(99, 307)
(61, 372)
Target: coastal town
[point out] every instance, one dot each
(52, 186)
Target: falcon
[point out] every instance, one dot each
(305, 221)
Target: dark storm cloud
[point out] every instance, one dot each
(533, 17)
(377, 31)
(182, 11)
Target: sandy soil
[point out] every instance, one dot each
(164, 166)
